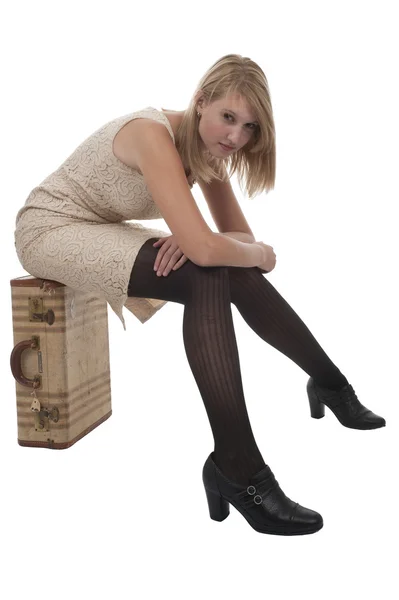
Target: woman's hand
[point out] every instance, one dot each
(169, 257)
(269, 258)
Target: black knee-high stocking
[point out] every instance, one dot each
(273, 319)
(211, 347)
(212, 353)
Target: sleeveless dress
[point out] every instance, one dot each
(73, 226)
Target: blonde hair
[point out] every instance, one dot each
(256, 161)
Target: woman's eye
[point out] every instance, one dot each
(250, 125)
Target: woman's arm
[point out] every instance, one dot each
(223, 250)
(240, 236)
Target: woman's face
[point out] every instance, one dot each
(229, 121)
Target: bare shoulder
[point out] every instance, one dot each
(125, 142)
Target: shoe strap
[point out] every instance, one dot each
(257, 492)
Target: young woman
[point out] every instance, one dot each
(73, 228)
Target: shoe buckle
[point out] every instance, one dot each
(251, 489)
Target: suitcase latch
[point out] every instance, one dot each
(36, 311)
(43, 415)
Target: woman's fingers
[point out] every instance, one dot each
(171, 262)
(166, 255)
(161, 261)
(174, 260)
(166, 259)
(180, 263)
(169, 256)
(159, 256)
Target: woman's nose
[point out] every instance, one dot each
(234, 137)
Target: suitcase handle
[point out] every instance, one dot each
(15, 362)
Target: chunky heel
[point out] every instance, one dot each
(219, 508)
(345, 405)
(317, 408)
(261, 502)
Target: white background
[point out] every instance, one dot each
(123, 512)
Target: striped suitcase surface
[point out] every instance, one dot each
(60, 362)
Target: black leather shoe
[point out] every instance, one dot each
(344, 404)
(263, 503)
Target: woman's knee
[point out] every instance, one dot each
(243, 278)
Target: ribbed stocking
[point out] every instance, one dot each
(211, 346)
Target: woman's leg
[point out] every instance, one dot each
(273, 319)
(211, 348)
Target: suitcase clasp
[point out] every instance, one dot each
(43, 415)
(36, 311)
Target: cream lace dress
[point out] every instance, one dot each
(74, 226)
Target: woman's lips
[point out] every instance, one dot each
(226, 148)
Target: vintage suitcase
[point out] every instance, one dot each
(144, 308)
(60, 362)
